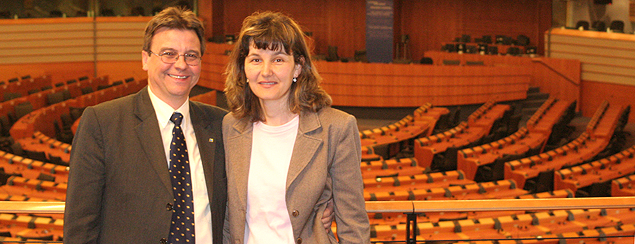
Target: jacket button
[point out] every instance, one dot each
(169, 207)
(295, 213)
(298, 241)
(163, 241)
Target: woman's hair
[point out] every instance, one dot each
(174, 18)
(272, 31)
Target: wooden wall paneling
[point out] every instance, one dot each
(558, 77)
(593, 93)
(118, 40)
(545, 22)
(59, 72)
(332, 22)
(385, 85)
(51, 46)
(510, 18)
(428, 24)
(119, 70)
(346, 24)
(46, 41)
(212, 72)
(431, 23)
(607, 58)
(488, 60)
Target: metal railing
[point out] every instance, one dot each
(411, 208)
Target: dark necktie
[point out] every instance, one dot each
(182, 227)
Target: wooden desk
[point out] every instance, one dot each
(399, 85)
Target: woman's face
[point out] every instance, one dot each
(270, 74)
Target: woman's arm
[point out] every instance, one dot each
(348, 188)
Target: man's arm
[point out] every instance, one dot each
(85, 182)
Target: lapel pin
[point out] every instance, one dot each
(211, 139)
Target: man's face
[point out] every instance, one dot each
(172, 82)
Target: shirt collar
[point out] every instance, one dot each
(165, 111)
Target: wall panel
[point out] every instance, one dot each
(45, 45)
(338, 23)
(607, 64)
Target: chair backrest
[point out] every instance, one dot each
(451, 62)
(66, 94)
(599, 26)
(617, 26)
(67, 120)
(582, 23)
(11, 95)
(6, 125)
(86, 90)
(426, 60)
(493, 50)
(53, 98)
(76, 112)
(332, 54)
(360, 56)
(23, 109)
(474, 63)
(523, 40)
(16, 149)
(486, 39)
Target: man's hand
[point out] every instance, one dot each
(328, 215)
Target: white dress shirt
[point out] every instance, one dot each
(202, 214)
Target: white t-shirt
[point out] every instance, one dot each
(267, 215)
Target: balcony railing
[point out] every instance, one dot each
(413, 208)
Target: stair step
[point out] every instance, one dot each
(535, 103)
(528, 112)
(533, 89)
(537, 96)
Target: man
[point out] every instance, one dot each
(121, 187)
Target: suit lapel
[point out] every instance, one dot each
(305, 145)
(206, 140)
(149, 136)
(240, 146)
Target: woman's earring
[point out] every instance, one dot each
(295, 79)
(247, 80)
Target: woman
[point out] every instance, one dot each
(287, 151)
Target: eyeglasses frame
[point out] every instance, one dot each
(177, 58)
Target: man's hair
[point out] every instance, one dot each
(277, 32)
(174, 18)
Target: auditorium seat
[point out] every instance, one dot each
(451, 62)
(11, 95)
(599, 25)
(617, 26)
(55, 97)
(23, 109)
(582, 23)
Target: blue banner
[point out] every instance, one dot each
(379, 30)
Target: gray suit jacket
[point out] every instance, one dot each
(325, 164)
(119, 185)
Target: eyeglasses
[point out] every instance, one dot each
(169, 57)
